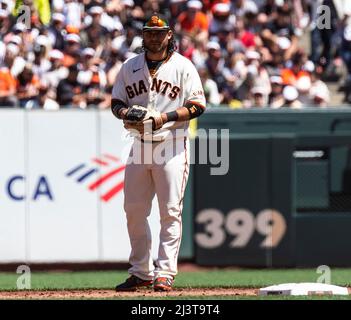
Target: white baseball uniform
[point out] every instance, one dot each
(175, 82)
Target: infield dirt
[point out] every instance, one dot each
(101, 294)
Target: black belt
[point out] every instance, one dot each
(149, 141)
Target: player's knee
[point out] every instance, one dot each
(170, 209)
(137, 208)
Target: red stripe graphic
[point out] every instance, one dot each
(107, 196)
(108, 156)
(100, 162)
(105, 177)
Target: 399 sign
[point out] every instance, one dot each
(240, 225)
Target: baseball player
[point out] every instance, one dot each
(160, 89)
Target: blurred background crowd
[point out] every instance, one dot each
(249, 53)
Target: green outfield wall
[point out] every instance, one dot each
(286, 197)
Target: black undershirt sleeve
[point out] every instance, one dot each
(195, 109)
(116, 106)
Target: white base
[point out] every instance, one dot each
(303, 289)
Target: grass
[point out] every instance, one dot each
(213, 278)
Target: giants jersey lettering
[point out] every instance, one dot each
(158, 85)
(175, 82)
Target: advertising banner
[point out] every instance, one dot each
(13, 210)
(61, 179)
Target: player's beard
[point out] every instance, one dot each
(156, 48)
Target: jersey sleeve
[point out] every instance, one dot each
(193, 86)
(119, 87)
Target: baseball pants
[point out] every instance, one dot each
(159, 169)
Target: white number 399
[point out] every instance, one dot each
(240, 223)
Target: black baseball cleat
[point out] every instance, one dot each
(133, 283)
(163, 284)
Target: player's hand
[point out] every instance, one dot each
(122, 113)
(158, 120)
(140, 127)
(143, 119)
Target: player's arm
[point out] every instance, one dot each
(189, 111)
(195, 103)
(118, 108)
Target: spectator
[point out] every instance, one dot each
(291, 75)
(70, 91)
(281, 26)
(108, 19)
(345, 49)
(129, 42)
(125, 11)
(113, 65)
(95, 33)
(193, 21)
(188, 49)
(319, 91)
(12, 60)
(221, 20)
(240, 7)
(72, 50)
(27, 88)
(45, 101)
(291, 96)
(252, 22)
(40, 62)
(244, 47)
(245, 38)
(321, 37)
(273, 59)
(259, 97)
(7, 88)
(253, 63)
(215, 65)
(7, 5)
(303, 85)
(320, 97)
(210, 87)
(243, 92)
(57, 71)
(268, 8)
(20, 30)
(55, 31)
(235, 71)
(92, 77)
(95, 89)
(276, 99)
(175, 8)
(72, 10)
(5, 23)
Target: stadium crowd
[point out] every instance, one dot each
(67, 53)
